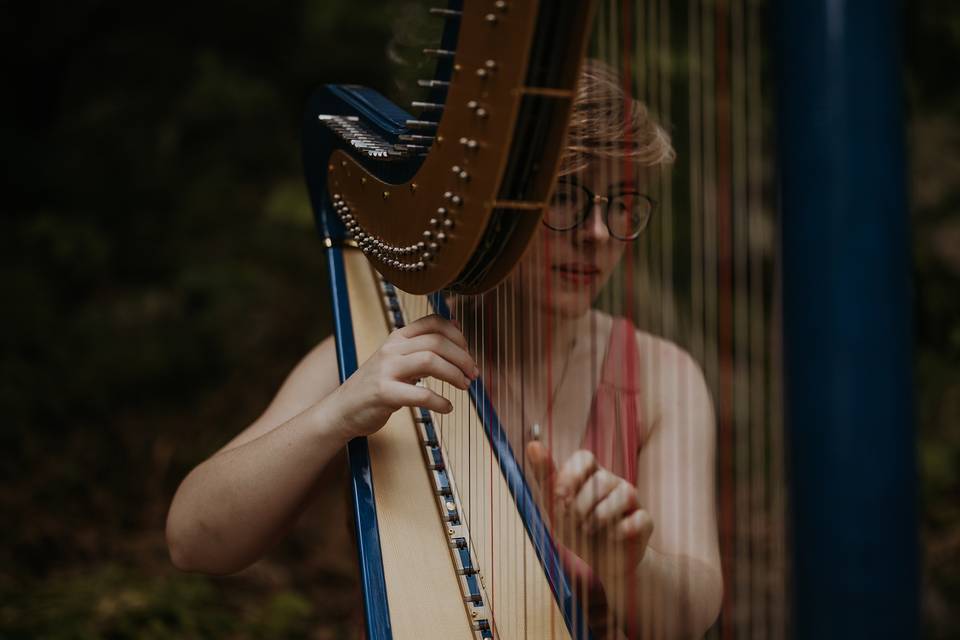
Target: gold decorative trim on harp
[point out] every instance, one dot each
(470, 209)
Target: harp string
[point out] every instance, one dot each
(546, 357)
(711, 290)
(672, 240)
(702, 275)
(630, 80)
(762, 522)
(740, 419)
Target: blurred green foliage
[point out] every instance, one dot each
(933, 55)
(160, 276)
(112, 602)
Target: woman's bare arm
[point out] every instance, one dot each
(231, 508)
(679, 582)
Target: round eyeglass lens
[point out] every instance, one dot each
(566, 207)
(628, 215)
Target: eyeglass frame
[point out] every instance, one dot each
(595, 199)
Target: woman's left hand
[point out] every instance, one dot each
(595, 513)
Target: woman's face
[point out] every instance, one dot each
(564, 271)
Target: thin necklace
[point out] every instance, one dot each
(535, 430)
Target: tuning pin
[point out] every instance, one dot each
(433, 84)
(445, 13)
(440, 53)
(426, 106)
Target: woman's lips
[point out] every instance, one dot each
(576, 273)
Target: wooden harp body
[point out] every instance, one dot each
(398, 221)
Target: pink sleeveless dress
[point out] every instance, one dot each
(615, 433)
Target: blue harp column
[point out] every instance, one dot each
(846, 319)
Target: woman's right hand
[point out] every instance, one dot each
(431, 346)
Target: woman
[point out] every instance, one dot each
(614, 450)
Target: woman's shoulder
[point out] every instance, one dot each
(311, 380)
(315, 376)
(651, 349)
(667, 372)
(666, 354)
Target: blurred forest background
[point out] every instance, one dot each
(160, 275)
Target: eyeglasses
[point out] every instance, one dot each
(626, 214)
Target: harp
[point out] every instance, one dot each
(413, 210)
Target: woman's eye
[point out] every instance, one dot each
(560, 198)
(620, 209)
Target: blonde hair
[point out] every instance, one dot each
(606, 123)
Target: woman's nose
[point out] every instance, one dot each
(594, 229)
